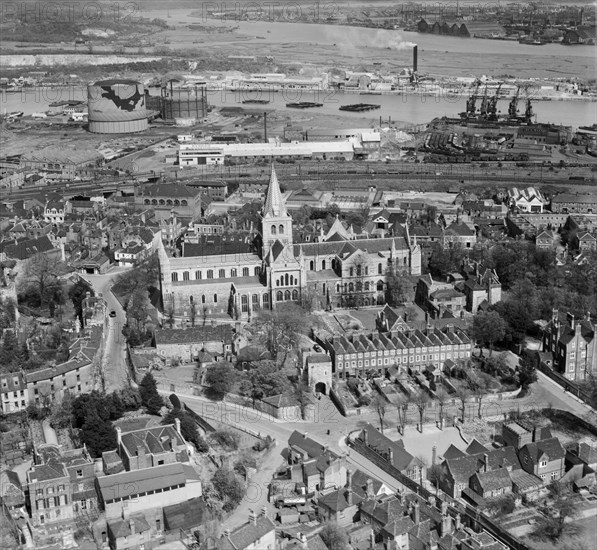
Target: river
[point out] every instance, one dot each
(410, 108)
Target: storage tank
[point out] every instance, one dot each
(117, 107)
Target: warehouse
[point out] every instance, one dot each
(190, 154)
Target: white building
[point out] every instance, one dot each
(190, 154)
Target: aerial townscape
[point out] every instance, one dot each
(298, 276)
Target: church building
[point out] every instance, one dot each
(239, 275)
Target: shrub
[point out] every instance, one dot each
(227, 439)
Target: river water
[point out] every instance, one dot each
(408, 108)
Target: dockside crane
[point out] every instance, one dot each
(471, 106)
(492, 107)
(513, 106)
(484, 104)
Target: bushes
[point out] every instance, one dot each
(150, 397)
(188, 428)
(228, 487)
(227, 439)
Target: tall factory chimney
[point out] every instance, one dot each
(415, 58)
(265, 127)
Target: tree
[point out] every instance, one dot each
(527, 372)
(463, 393)
(150, 398)
(41, 275)
(334, 537)
(227, 439)
(228, 487)
(488, 328)
(379, 404)
(61, 416)
(421, 400)
(479, 386)
(399, 288)
(442, 396)
(279, 331)
(188, 428)
(266, 380)
(137, 308)
(435, 474)
(220, 379)
(98, 434)
(9, 350)
(402, 404)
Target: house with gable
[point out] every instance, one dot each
(544, 459)
(259, 533)
(572, 344)
(393, 452)
(12, 495)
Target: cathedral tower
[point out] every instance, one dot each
(276, 224)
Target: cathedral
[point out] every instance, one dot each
(238, 275)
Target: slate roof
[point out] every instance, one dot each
(246, 534)
(211, 245)
(494, 479)
(338, 247)
(186, 515)
(122, 528)
(195, 335)
(552, 448)
(337, 500)
(401, 460)
(311, 447)
(476, 447)
(27, 248)
(169, 190)
(153, 440)
(464, 467)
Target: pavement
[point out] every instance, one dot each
(114, 364)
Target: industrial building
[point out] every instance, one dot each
(190, 154)
(179, 103)
(117, 107)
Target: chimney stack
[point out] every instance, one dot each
(370, 492)
(118, 435)
(415, 58)
(132, 525)
(366, 437)
(372, 538)
(349, 496)
(252, 517)
(390, 455)
(177, 424)
(457, 523)
(349, 478)
(416, 517)
(485, 462)
(535, 434)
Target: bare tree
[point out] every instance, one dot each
(462, 394)
(442, 397)
(421, 400)
(41, 275)
(402, 404)
(379, 404)
(479, 388)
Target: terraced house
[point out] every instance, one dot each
(410, 347)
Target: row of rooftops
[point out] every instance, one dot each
(397, 340)
(81, 354)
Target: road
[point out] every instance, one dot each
(332, 429)
(114, 363)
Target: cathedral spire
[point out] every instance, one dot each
(274, 205)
